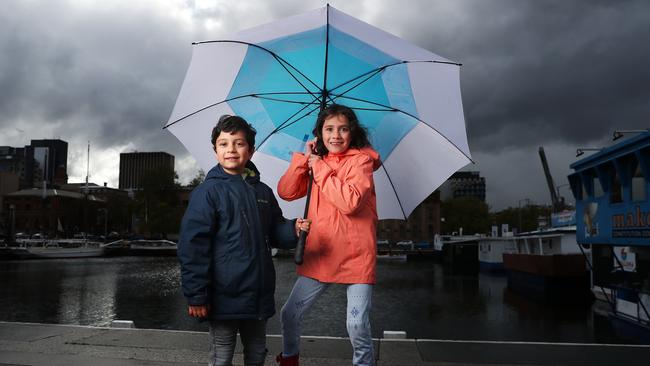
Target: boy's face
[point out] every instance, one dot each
(233, 152)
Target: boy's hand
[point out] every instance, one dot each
(198, 311)
(302, 225)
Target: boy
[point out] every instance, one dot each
(224, 249)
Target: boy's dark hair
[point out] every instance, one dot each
(359, 136)
(232, 124)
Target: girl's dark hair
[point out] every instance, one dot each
(359, 136)
(232, 124)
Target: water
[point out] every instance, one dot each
(422, 298)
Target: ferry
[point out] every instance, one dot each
(612, 192)
(548, 266)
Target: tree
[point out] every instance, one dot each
(157, 203)
(468, 213)
(198, 179)
(523, 218)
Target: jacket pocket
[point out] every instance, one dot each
(247, 233)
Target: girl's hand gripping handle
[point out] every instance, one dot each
(302, 239)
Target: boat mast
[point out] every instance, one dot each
(87, 165)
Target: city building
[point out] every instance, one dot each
(134, 165)
(9, 182)
(421, 226)
(17, 160)
(41, 160)
(51, 211)
(463, 184)
(50, 162)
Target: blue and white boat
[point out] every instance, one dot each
(612, 191)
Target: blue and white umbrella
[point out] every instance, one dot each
(278, 76)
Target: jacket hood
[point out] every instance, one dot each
(368, 151)
(217, 172)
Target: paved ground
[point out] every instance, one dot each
(54, 345)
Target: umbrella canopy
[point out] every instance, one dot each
(278, 76)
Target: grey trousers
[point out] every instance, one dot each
(305, 292)
(223, 334)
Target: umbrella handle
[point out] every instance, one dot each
(302, 239)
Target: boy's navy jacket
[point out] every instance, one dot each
(225, 245)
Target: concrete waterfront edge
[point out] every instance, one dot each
(54, 344)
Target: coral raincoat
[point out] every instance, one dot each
(342, 244)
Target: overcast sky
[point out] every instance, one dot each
(553, 73)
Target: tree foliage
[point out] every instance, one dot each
(468, 213)
(198, 179)
(522, 218)
(157, 204)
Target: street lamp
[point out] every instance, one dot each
(618, 134)
(12, 218)
(581, 150)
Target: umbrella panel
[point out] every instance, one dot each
(280, 95)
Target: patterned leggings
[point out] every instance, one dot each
(305, 292)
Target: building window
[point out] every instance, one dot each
(638, 185)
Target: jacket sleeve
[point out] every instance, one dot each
(293, 184)
(348, 192)
(195, 246)
(283, 232)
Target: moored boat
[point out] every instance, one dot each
(152, 247)
(548, 266)
(55, 248)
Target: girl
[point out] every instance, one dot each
(341, 247)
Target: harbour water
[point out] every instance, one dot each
(423, 298)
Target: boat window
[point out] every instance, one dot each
(616, 191)
(598, 189)
(638, 185)
(583, 192)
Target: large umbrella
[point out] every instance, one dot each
(279, 75)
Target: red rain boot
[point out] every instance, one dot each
(287, 361)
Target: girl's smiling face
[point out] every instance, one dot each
(336, 134)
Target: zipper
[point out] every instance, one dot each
(260, 257)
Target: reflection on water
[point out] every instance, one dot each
(424, 299)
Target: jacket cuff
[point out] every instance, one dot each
(299, 161)
(197, 300)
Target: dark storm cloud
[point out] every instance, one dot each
(542, 71)
(107, 73)
(561, 74)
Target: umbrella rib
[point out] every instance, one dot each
(287, 120)
(393, 109)
(283, 100)
(372, 109)
(370, 76)
(297, 120)
(280, 60)
(207, 107)
(228, 100)
(394, 191)
(382, 68)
